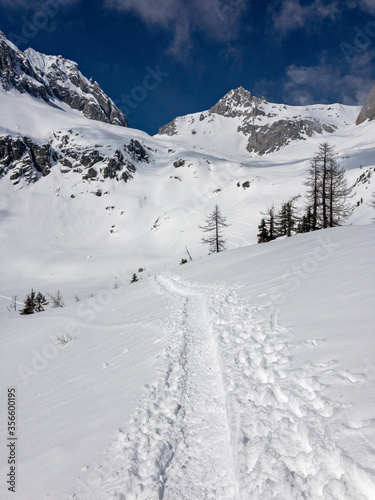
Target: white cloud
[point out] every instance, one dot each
(292, 15)
(368, 5)
(217, 19)
(304, 83)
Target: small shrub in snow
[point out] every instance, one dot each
(56, 299)
(64, 339)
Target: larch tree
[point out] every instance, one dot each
(215, 223)
(287, 218)
(328, 190)
(313, 193)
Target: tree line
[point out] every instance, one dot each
(327, 201)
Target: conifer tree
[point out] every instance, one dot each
(263, 235)
(313, 193)
(307, 223)
(287, 218)
(328, 191)
(270, 220)
(214, 224)
(339, 192)
(40, 302)
(134, 278)
(29, 306)
(34, 303)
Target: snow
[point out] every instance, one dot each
(260, 371)
(248, 374)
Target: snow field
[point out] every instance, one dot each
(232, 414)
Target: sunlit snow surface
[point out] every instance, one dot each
(248, 374)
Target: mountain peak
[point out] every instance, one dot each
(54, 77)
(237, 102)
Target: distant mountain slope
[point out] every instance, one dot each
(368, 109)
(53, 78)
(56, 161)
(263, 127)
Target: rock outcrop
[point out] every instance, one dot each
(368, 109)
(55, 78)
(23, 159)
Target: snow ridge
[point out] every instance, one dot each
(232, 416)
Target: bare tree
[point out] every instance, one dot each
(13, 304)
(328, 190)
(287, 217)
(313, 193)
(270, 222)
(56, 299)
(323, 159)
(214, 224)
(339, 209)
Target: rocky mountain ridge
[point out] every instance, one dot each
(53, 79)
(267, 127)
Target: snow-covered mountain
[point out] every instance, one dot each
(55, 79)
(255, 382)
(205, 161)
(263, 127)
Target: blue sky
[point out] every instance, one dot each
(158, 59)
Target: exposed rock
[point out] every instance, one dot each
(168, 129)
(179, 163)
(368, 109)
(21, 158)
(53, 77)
(24, 159)
(270, 138)
(115, 166)
(239, 102)
(137, 151)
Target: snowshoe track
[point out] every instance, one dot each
(230, 416)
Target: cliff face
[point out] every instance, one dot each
(23, 159)
(368, 109)
(53, 77)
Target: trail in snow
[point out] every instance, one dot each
(231, 416)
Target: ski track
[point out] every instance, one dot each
(232, 416)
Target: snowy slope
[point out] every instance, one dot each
(260, 371)
(252, 371)
(161, 208)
